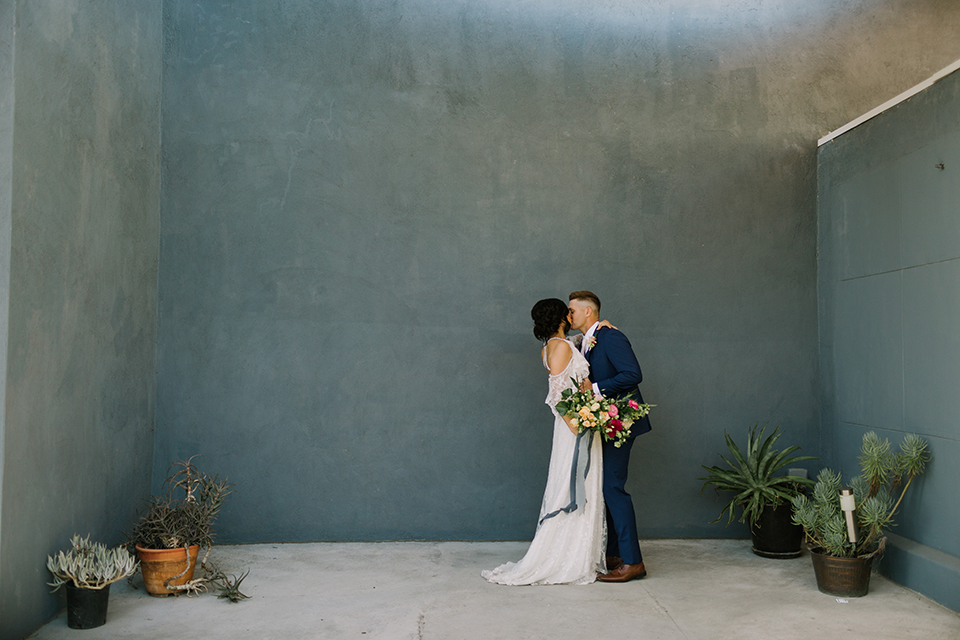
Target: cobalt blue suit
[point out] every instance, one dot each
(615, 370)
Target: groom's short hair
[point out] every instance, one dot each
(589, 297)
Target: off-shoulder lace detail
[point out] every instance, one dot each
(568, 548)
(577, 369)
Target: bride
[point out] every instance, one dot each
(569, 544)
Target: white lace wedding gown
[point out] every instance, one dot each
(569, 544)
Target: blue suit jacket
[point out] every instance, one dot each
(614, 368)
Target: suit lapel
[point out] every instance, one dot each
(596, 343)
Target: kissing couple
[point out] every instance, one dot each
(587, 529)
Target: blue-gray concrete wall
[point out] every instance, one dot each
(889, 307)
(7, 30)
(362, 201)
(80, 369)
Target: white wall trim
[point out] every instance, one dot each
(890, 103)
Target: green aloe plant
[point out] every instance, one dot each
(750, 475)
(882, 473)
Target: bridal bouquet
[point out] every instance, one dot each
(610, 418)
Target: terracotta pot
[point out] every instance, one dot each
(844, 577)
(157, 565)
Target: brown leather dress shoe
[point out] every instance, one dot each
(613, 563)
(624, 573)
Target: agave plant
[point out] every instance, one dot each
(90, 565)
(882, 472)
(751, 478)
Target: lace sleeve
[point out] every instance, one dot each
(578, 369)
(557, 385)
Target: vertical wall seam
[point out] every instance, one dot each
(156, 334)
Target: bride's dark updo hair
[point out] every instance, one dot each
(548, 316)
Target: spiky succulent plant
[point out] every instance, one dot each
(751, 478)
(184, 515)
(229, 586)
(882, 472)
(90, 565)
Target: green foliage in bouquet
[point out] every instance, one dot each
(610, 417)
(750, 475)
(882, 472)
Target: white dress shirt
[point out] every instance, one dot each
(585, 346)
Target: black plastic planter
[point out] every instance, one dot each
(86, 608)
(774, 535)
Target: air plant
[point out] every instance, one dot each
(229, 586)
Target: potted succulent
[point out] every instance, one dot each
(169, 535)
(764, 498)
(87, 570)
(844, 525)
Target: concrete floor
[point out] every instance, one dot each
(695, 590)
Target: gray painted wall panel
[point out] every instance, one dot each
(363, 200)
(908, 563)
(874, 334)
(80, 371)
(928, 510)
(930, 224)
(931, 348)
(352, 218)
(867, 352)
(7, 33)
(868, 223)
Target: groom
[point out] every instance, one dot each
(615, 372)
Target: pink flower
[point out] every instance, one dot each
(612, 411)
(616, 424)
(633, 404)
